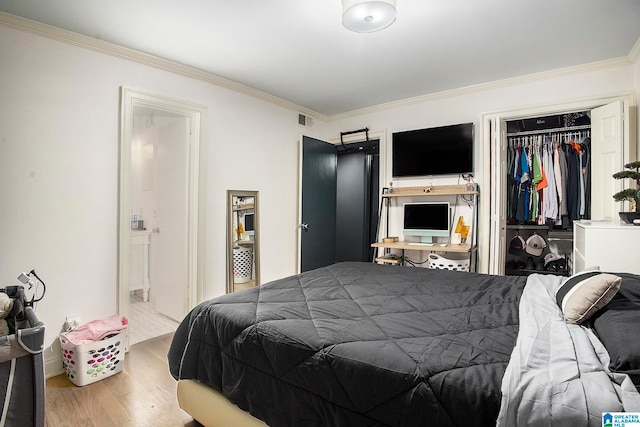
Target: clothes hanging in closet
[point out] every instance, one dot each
(549, 178)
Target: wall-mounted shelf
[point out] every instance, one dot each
(463, 247)
(243, 207)
(432, 190)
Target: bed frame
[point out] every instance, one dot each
(210, 408)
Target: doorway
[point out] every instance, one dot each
(159, 267)
(357, 197)
(339, 190)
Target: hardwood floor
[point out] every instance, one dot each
(143, 394)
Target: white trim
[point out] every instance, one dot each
(571, 105)
(634, 54)
(299, 207)
(496, 232)
(131, 98)
(54, 366)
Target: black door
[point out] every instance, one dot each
(339, 202)
(319, 174)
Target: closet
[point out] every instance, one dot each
(548, 187)
(611, 129)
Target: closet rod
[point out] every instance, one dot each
(536, 132)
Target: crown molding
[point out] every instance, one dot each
(112, 49)
(634, 54)
(497, 84)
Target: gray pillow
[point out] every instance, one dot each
(584, 293)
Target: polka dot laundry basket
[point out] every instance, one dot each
(242, 264)
(90, 362)
(438, 262)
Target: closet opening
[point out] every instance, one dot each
(548, 170)
(548, 183)
(611, 128)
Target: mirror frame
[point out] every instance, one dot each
(230, 235)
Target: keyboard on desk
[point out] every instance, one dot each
(419, 244)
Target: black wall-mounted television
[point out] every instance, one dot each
(444, 150)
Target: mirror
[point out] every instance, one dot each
(243, 241)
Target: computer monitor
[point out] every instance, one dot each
(248, 224)
(427, 220)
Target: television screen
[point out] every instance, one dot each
(445, 150)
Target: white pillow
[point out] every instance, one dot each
(586, 292)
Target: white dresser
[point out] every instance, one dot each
(612, 245)
(139, 268)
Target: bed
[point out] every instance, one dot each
(362, 344)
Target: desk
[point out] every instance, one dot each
(405, 246)
(435, 248)
(468, 192)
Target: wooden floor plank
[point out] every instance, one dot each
(143, 394)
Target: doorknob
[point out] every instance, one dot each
(155, 230)
(304, 226)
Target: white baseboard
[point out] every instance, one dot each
(53, 366)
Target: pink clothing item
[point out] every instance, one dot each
(97, 330)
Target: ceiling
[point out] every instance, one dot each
(299, 51)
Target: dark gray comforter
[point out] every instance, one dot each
(357, 344)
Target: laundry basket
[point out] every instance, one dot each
(90, 362)
(242, 264)
(438, 262)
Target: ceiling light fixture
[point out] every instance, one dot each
(367, 16)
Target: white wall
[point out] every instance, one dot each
(59, 137)
(469, 105)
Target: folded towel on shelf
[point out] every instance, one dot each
(97, 330)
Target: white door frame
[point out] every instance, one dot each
(130, 99)
(491, 233)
